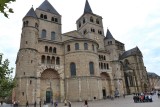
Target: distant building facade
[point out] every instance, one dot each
(78, 65)
(154, 81)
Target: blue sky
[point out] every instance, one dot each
(133, 22)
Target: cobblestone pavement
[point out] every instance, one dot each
(117, 102)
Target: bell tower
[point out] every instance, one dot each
(26, 61)
(91, 26)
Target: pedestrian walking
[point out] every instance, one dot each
(69, 104)
(40, 103)
(35, 104)
(85, 103)
(27, 105)
(124, 95)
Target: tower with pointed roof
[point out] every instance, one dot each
(78, 65)
(91, 26)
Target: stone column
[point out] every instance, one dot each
(66, 88)
(79, 87)
(62, 89)
(38, 90)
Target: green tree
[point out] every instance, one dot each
(7, 83)
(4, 7)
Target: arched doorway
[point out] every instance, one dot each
(50, 85)
(106, 90)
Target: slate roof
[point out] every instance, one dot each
(46, 6)
(151, 74)
(131, 52)
(31, 13)
(87, 8)
(108, 35)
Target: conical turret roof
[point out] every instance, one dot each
(31, 13)
(46, 6)
(87, 8)
(108, 35)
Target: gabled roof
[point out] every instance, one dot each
(108, 35)
(131, 52)
(31, 13)
(87, 8)
(46, 6)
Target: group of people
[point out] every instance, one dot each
(141, 97)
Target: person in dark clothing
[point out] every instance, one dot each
(35, 104)
(40, 103)
(27, 105)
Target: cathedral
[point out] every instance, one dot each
(83, 64)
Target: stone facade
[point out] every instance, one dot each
(78, 65)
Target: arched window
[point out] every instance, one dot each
(91, 19)
(52, 19)
(97, 21)
(85, 46)
(92, 30)
(56, 20)
(53, 35)
(107, 66)
(79, 24)
(58, 61)
(99, 57)
(43, 34)
(73, 69)
(27, 23)
(76, 46)
(41, 16)
(36, 25)
(101, 65)
(50, 49)
(85, 31)
(54, 50)
(45, 16)
(104, 65)
(43, 59)
(53, 60)
(84, 20)
(68, 48)
(48, 60)
(46, 48)
(104, 57)
(93, 47)
(91, 68)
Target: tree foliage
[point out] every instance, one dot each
(4, 7)
(6, 81)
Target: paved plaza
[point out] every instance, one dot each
(117, 102)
